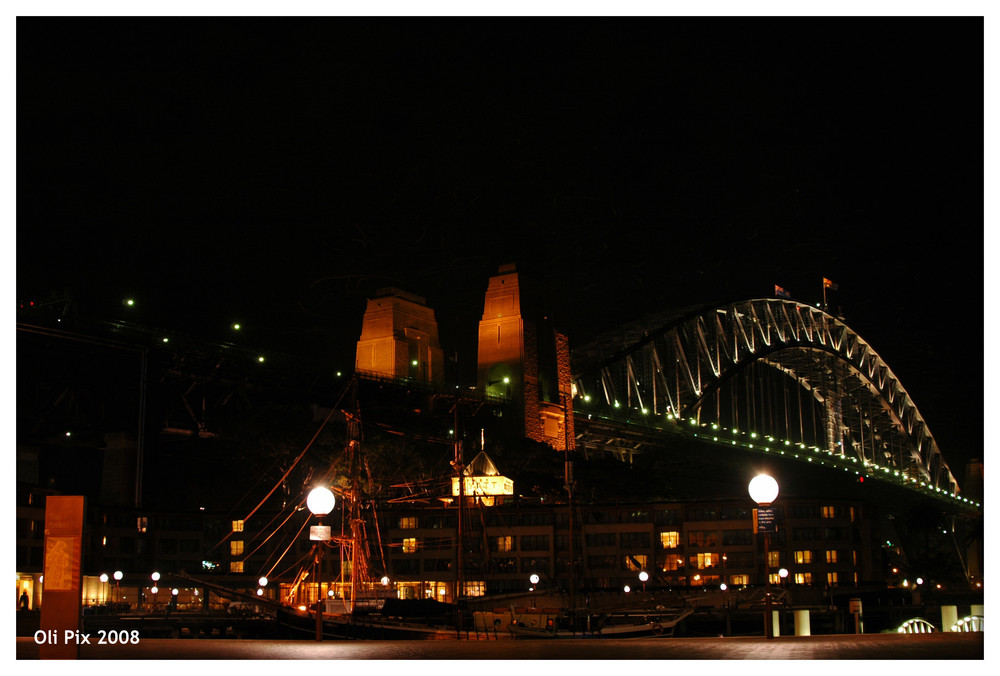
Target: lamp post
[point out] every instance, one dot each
(156, 578)
(763, 490)
(118, 583)
(320, 502)
(643, 576)
(104, 589)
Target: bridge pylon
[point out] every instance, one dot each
(523, 358)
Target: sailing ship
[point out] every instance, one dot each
(356, 604)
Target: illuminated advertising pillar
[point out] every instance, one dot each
(59, 636)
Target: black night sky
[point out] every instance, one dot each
(277, 171)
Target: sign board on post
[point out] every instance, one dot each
(59, 635)
(854, 605)
(764, 521)
(321, 533)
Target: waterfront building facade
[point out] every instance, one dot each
(823, 544)
(699, 545)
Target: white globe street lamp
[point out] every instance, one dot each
(156, 577)
(321, 501)
(118, 583)
(763, 489)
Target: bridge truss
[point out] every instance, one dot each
(770, 373)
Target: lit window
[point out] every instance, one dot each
(831, 579)
(670, 539)
(704, 560)
(236, 547)
(773, 559)
(408, 522)
(477, 588)
(238, 526)
(739, 579)
(706, 580)
(828, 511)
(831, 556)
(235, 566)
(803, 578)
(505, 543)
(141, 524)
(635, 562)
(804, 556)
(774, 578)
(409, 545)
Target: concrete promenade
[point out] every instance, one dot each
(939, 646)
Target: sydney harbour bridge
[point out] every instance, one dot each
(765, 375)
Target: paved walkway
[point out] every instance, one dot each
(942, 646)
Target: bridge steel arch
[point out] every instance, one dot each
(764, 368)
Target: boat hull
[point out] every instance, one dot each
(347, 627)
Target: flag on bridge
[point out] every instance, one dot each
(780, 292)
(827, 284)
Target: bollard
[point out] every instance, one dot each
(949, 616)
(802, 623)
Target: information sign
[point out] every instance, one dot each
(321, 533)
(764, 520)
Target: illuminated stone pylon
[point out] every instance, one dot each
(524, 359)
(399, 339)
